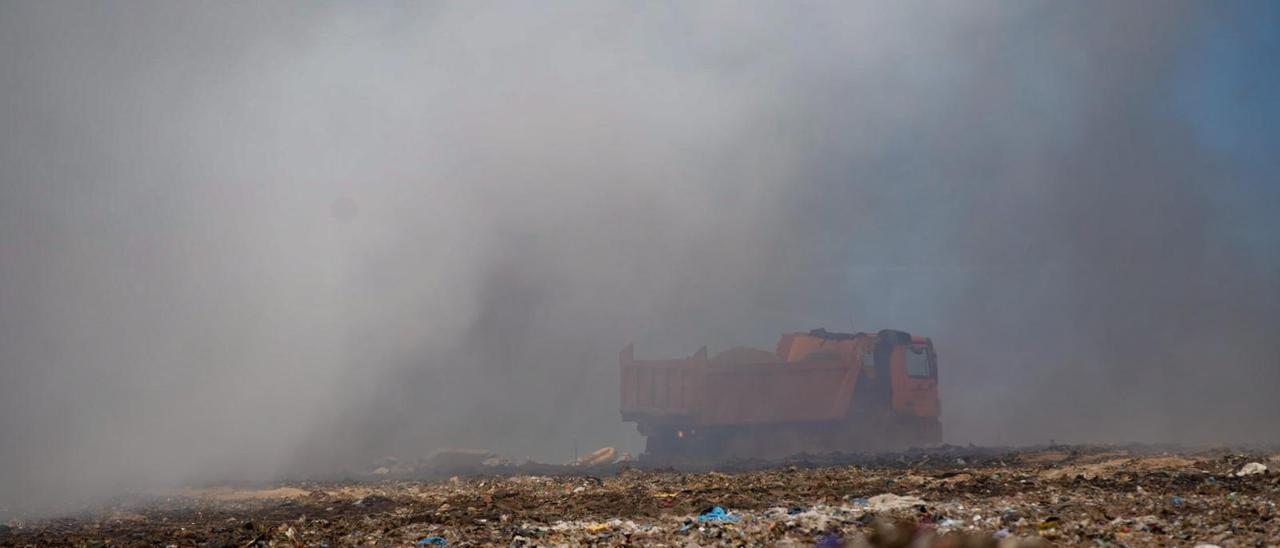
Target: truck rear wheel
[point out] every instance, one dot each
(932, 431)
(910, 431)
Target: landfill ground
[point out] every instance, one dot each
(949, 496)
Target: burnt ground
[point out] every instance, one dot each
(1134, 496)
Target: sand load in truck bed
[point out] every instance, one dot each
(743, 355)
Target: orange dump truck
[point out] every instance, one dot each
(819, 391)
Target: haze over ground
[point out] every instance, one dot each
(241, 241)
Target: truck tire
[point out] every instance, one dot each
(930, 431)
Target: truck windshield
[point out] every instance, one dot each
(918, 361)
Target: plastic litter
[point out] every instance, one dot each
(1251, 469)
(889, 501)
(776, 505)
(436, 541)
(1177, 501)
(717, 514)
(1008, 515)
(831, 541)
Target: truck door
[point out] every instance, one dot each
(915, 380)
(873, 394)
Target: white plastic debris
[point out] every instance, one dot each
(889, 501)
(1251, 469)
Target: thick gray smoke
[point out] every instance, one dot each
(241, 241)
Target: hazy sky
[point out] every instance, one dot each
(246, 240)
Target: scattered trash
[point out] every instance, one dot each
(372, 501)
(1008, 515)
(888, 501)
(1033, 501)
(1050, 523)
(717, 514)
(1251, 469)
(831, 541)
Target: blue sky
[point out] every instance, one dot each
(1229, 90)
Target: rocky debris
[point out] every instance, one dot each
(1131, 497)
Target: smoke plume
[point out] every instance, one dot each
(245, 241)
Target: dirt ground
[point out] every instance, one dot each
(943, 497)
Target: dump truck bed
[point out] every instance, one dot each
(709, 394)
(810, 384)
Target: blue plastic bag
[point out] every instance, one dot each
(717, 514)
